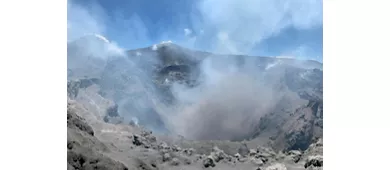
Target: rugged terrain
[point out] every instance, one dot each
(160, 108)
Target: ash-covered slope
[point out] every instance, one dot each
(94, 144)
(199, 95)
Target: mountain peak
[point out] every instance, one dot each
(162, 43)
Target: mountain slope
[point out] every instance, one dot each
(215, 100)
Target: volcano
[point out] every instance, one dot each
(194, 99)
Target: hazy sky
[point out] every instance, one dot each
(255, 27)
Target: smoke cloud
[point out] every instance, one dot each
(84, 22)
(226, 110)
(88, 49)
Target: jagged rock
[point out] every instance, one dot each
(113, 111)
(295, 155)
(140, 140)
(243, 149)
(152, 140)
(280, 156)
(276, 166)
(199, 157)
(189, 151)
(228, 159)
(136, 140)
(257, 162)
(81, 156)
(209, 162)
(316, 145)
(264, 159)
(267, 152)
(313, 155)
(87, 160)
(252, 152)
(218, 154)
(73, 88)
(176, 148)
(148, 136)
(73, 120)
(301, 128)
(112, 116)
(315, 161)
(166, 157)
(164, 148)
(113, 120)
(242, 159)
(175, 162)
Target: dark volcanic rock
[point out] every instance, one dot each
(209, 162)
(243, 149)
(84, 148)
(80, 157)
(112, 116)
(75, 121)
(315, 161)
(304, 125)
(113, 111)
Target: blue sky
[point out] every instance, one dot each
(254, 27)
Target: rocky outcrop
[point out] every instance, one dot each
(301, 128)
(80, 157)
(76, 122)
(112, 115)
(84, 149)
(74, 86)
(314, 161)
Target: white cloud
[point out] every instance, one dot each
(166, 42)
(299, 52)
(187, 32)
(162, 43)
(154, 47)
(249, 22)
(81, 21)
(86, 22)
(225, 44)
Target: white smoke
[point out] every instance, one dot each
(84, 22)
